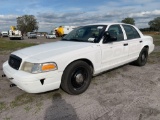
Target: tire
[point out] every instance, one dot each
(76, 78)
(10, 38)
(143, 56)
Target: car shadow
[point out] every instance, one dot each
(60, 110)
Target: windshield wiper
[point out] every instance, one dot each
(71, 40)
(74, 39)
(77, 40)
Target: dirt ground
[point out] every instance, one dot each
(125, 93)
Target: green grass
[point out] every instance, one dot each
(157, 43)
(7, 118)
(6, 45)
(155, 54)
(154, 57)
(22, 100)
(38, 106)
(2, 106)
(156, 37)
(29, 101)
(28, 108)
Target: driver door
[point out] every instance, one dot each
(114, 53)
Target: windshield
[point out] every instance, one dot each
(91, 33)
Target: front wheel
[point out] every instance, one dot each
(143, 56)
(76, 78)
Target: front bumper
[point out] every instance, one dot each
(32, 36)
(51, 37)
(15, 36)
(4, 35)
(31, 82)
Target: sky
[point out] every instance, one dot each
(53, 13)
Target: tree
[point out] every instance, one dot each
(155, 24)
(128, 21)
(27, 23)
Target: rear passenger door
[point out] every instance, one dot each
(134, 42)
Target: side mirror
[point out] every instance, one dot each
(110, 36)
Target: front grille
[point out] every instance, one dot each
(14, 61)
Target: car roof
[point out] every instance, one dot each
(109, 24)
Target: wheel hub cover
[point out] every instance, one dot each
(79, 78)
(143, 57)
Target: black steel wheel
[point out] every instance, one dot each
(76, 77)
(143, 56)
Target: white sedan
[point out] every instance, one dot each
(71, 62)
(51, 35)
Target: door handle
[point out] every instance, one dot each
(141, 41)
(126, 44)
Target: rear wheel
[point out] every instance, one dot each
(76, 78)
(143, 56)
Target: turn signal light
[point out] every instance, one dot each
(49, 66)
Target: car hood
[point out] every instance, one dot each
(43, 51)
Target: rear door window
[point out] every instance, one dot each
(131, 32)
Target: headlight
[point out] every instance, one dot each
(38, 67)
